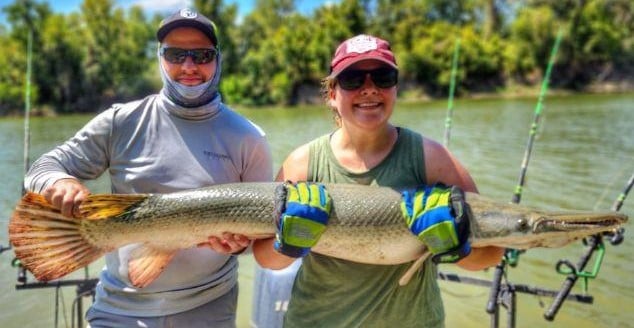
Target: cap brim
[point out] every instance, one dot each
(343, 65)
(165, 29)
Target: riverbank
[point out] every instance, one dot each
(516, 91)
(310, 94)
(408, 93)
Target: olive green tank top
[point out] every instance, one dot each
(330, 292)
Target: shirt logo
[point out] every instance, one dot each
(216, 156)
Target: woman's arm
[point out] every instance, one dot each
(442, 166)
(294, 168)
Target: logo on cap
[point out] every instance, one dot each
(188, 13)
(361, 44)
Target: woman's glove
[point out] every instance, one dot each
(439, 217)
(303, 219)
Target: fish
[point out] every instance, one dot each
(366, 225)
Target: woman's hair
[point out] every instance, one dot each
(327, 87)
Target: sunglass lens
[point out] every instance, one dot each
(199, 56)
(203, 56)
(384, 77)
(351, 80)
(174, 55)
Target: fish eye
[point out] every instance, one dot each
(522, 224)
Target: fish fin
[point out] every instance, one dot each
(146, 264)
(104, 206)
(416, 265)
(46, 242)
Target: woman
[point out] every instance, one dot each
(367, 149)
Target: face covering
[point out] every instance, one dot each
(191, 96)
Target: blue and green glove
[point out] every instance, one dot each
(303, 219)
(439, 217)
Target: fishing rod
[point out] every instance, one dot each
(27, 130)
(27, 107)
(505, 294)
(517, 195)
(595, 243)
(621, 198)
(86, 286)
(520, 288)
(452, 87)
(510, 256)
(27, 110)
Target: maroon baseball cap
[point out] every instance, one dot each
(187, 18)
(358, 48)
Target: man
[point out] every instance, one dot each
(182, 138)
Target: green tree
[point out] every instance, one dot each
(401, 22)
(103, 25)
(105, 54)
(12, 75)
(595, 41)
(136, 61)
(28, 16)
(598, 36)
(119, 50)
(224, 17)
(451, 11)
(333, 24)
(530, 42)
(258, 53)
(63, 74)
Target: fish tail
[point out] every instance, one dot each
(47, 243)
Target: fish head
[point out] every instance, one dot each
(520, 227)
(561, 228)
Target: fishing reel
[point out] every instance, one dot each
(16, 264)
(3, 249)
(616, 236)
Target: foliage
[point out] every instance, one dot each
(12, 79)
(85, 60)
(530, 42)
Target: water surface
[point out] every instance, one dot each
(582, 157)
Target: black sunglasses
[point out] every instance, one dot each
(178, 55)
(384, 77)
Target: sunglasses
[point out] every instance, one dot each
(384, 77)
(198, 56)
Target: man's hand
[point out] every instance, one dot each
(228, 244)
(304, 219)
(439, 217)
(66, 195)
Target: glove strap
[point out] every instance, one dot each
(462, 215)
(452, 255)
(289, 250)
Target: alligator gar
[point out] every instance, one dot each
(366, 225)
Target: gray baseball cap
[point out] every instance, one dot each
(187, 18)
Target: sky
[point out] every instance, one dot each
(165, 6)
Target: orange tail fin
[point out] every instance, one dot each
(47, 243)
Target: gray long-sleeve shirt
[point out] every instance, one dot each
(155, 146)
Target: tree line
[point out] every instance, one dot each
(85, 60)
